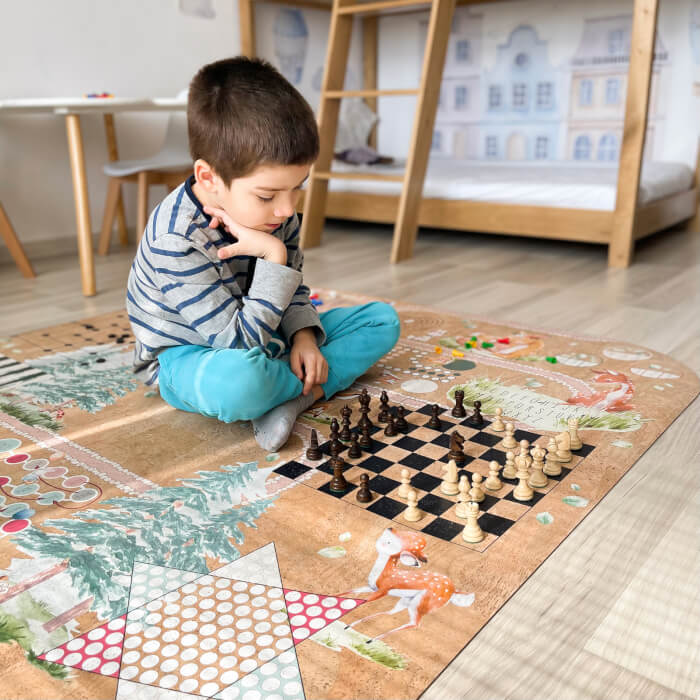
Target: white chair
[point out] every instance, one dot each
(169, 167)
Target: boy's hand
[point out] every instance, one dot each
(306, 360)
(250, 241)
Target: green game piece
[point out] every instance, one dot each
(486, 345)
(474, 337)
(469, 346)
(552, 359)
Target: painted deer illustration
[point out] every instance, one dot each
(616, 398)
(419, 592)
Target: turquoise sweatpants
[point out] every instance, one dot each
(236, 385)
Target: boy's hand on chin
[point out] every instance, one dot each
(250, 241)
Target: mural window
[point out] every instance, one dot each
(495, 96)
(607, 148)
(491, 147)
(461, 97)
(519, 95)
(585, 93)
(545, 95)
(612, 91)
(522, 60)
(616, 42)
(582, 147)
(541, 147)
(463, 50)
(437, 141)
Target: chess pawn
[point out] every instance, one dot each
(523, 491)
(476, 418)
(476, 493)
(434, 421)
(365, 441)
(390, 429)
(405, 483)
(450, 482)
(509, 469)
(345, 433)
(313, 453)
(498, 425)
(575, 440)
(552, 466)
(364, 495)
(537, 479)
(493, 483)
(462, 509)
(413, 513)
(472, 533)
(335, 428)
(509, 440)
(400, 421)
(354, 452)
(563, 442)
(458, 411)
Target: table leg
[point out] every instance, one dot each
(82, 204)
(113, 154)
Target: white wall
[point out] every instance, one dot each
(133, 48)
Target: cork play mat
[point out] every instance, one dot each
(152, 553)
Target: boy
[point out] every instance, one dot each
(222, 320)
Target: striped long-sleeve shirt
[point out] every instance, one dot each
(180, 293)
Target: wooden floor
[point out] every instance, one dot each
(615, 611)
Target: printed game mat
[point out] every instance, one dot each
(156, 554)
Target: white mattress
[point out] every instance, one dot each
(579, 186)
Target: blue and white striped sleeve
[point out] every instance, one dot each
(191, 284)
(300, 313)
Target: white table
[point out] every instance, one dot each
(72, 108)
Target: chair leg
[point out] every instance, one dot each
(113, 191)
(142, 204)
(15, 247)
(121, 221)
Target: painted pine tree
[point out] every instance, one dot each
(90, 378)
(175, 526)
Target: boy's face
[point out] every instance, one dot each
(265, 198)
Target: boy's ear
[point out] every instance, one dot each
(206, 177)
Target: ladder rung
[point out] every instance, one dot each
(357, 176)
(336, 94)
(378, 7)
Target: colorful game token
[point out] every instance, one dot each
(506, 341)
(486, 345)
(552, 359)
(438, 349)
(457, 353)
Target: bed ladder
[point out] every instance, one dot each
(342, 16)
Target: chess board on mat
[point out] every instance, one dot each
(423, 451)
(130, 532)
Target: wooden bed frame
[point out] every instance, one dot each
(618, 229)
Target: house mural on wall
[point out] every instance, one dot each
(598, 89)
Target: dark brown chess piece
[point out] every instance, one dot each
(336, 446)
(401, 422)
(383, 416)
(313, 452)
(458, 410)
(365, 440)
(476, 418)
(456, 452)
(354, 450)
(434, 421)
(365, 400)
(390, 429)
(346, 412)
(364, 495)
(338, 483)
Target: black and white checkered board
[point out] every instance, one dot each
(423, 451)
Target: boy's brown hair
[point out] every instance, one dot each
(242, 113)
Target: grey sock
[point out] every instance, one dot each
(273, 428)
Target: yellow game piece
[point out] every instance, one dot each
(438, 350)
(457, 353)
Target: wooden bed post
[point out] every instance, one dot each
(339, 35)
(634, 131)
(406, 227)
(369, 67)
(246, 22)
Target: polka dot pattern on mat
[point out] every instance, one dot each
(309, 613)
(277, 679)
(98, 650)
(150, 581)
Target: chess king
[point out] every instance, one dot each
(419, 592)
